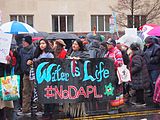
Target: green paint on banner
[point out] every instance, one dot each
(109, 90)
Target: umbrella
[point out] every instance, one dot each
(34, 39)
(66, 37)
(149, 30)
(147, 26)
(15, 27)
(155, 31)
(39, 36)
(62, 35)
(129, 39)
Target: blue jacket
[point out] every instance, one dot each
(25, 55)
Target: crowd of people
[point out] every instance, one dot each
(144, 66)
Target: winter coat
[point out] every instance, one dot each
(152, 57)
(94, 49)
(81, 54)
(116, 55)
(139, 72)
(25, 55)
(125, 57)
(62, 54)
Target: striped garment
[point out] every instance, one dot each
(31, 74)
(116, 55)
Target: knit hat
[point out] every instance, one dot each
(60, 41)
(135, 46)
(148, 40)
(111, 42)
(82, 37)
(27, 39)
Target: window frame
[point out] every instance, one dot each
(17, 18)
(131, 22)
(106, 18)
(59, 26)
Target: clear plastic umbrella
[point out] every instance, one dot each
(129, 39)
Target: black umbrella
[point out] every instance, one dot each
(62, 35)
(40, 34)
(66, 37)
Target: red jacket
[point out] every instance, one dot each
(62, 54)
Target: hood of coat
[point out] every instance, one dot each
(94, 44)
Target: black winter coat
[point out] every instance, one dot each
(152, 57)
(94, 49)
(81, 54)
(139, 72)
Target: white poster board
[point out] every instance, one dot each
(131, 31)
(5, 43)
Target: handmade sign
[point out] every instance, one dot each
(5, 43)
(67, 80)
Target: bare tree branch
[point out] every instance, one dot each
(148, 8)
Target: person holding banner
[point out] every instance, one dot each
(6, 107)
(26, 53)
(77, 52)
(43, 50)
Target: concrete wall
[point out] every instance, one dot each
(43, 9)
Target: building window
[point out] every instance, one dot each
(101, 22)
(137, 21)
(23, 18)
(62, 23)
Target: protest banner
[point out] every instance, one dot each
(68, 80)
(5, 43)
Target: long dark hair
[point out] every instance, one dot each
(80, 43)
(38, 51)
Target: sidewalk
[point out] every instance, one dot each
(127, 108)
